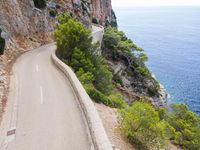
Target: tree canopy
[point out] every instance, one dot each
(142, 125)
(147, 127)
(186, 126)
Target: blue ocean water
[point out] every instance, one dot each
(171, 38)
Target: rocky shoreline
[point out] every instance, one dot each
(164, 95)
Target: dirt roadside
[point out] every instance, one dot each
(109, 119)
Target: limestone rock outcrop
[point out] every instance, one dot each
(21, 18)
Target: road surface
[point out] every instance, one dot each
(43, 112)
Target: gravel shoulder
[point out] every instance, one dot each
(109, 119)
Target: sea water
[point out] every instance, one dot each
(170, 37)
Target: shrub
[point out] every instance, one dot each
(111, 38)
(141, 124)
(118, 79)
(40, 3)
(114, 100)
(71, 34)
(98, 96)
(53, 13)
(2, 44)
(117, 100)
(126, 45)
(143, 57)
(186, 126)
(117, 40)
(152, 92)
(103, 80)
(85, 78)
(143, 70)
(79, 60)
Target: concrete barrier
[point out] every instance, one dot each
(97, 33)
(97, 131)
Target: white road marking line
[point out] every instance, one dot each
(41, 95)
(37, 68)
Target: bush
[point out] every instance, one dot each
(111, 38)
(103, 80)
(141, 124)
(2, 44)
(80, 61)
(85, 78)
(71, 35)
(117, 40)
(98, 96)
(114, 100)
(118, 79)
(53, 13)
(40, 3)
(117, 100)
(152, 92)
(186, 126)
(148, 128)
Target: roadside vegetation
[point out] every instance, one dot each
(75, 48)
(184, 126)
(149, 128)
(118, 47)
(117, 42)
(141, 123)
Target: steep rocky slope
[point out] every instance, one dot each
(21, 18)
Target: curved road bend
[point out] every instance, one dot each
(48, 116)
(43, 112)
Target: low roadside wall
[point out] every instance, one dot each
(97, 131)
(97, 34)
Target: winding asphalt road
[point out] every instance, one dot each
(43, 112)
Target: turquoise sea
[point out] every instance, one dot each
(171, 38)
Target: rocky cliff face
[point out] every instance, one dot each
(102, 10)
(21, 18)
